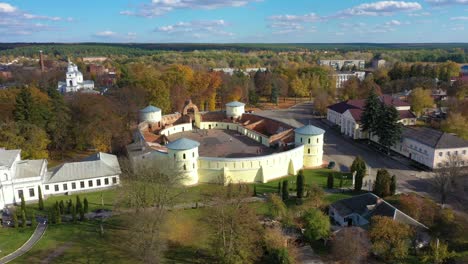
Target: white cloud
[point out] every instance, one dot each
(7, 8)
(197, 28)
(161, 7)
(38, 17)
(458, 28)
(285, 24)
(447, 2)
(380, 8)
(419, 14)
(459, 18)
(312, 17)
(105, 34)
(393, 23)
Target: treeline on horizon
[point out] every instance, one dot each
(406, 52)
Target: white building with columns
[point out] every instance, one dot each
(22, 178)
(74, 80)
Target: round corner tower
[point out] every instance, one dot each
(184, 154)
(150, 114)
(312, 139)
(235, 110)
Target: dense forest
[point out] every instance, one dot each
(442, 52)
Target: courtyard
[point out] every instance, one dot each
(224, 143)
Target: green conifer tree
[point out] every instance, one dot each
(23, 218)
(300, 184)
(15, 220)
(285, 191)
(41, 201)
(85, 205)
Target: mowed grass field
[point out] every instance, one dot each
(187, 230)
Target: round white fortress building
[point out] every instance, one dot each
(235, 110)
(312, 139)
(224, 146)
(184, 153)
(150, 114)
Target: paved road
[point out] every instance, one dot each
(35, 237)
(343, 150)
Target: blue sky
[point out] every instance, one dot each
(224, 21)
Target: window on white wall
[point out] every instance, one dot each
(65, 187)
(82, 184)
(90, 183)
(20, 193)
(464, 152)
(106, 181)
(114, 180)
(47, 187)
(441, 154)
(31, 192)
(73, 185)
(185, 167)
(308, 141)
(184, 155)
(56, 187)
(98, 182)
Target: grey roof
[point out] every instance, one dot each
(357, 204)
(235, 104)
(368, 205)
(309, 130)
(434, 138)
(96, 165)
(29, 168)
(7, 157)
(150, 109)
(183, 144)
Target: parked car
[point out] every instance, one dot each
(331, 165)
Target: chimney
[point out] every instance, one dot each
(41, 60)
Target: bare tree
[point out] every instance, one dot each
(236, 232)
(351, 245)
(447, 177)
(148, 191)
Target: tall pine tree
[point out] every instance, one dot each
(372, 111)
(358, 167)
(24, 106)
(58, 125)
(41, 201)
(388, 129)
(300, 184)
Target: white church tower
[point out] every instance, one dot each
(74, 80)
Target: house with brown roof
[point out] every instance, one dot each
(347, 115)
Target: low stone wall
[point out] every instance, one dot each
(249, 170)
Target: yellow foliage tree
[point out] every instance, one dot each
(420, 99)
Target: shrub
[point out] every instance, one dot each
(330, 180)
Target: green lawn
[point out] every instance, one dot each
(316, 176)
(78, 243)
(13, 238)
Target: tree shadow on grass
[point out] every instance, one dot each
(177, 253)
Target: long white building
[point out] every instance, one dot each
(429, 147)
(24, 177)
(342, 77)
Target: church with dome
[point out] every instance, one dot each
(74, 81)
